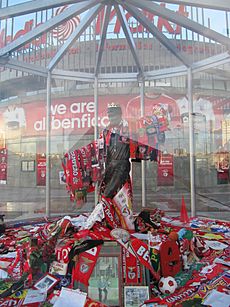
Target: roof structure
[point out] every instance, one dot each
(137, 10)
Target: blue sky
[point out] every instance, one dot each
(216, 19)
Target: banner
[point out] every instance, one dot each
(142, 252)
(3, 166)
(41, 170)
(75, 115)
(130, 268)
(85, 265)
(123, 206)
(165, 175)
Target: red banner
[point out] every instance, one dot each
(3, 166)
(165, 175)
(75, 115)
(41, 170)
(141, 250)
(85, 265)
(130, 268)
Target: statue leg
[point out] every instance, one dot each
(115, 178)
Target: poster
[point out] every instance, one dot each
(165, 175)
(41, 170)
(3, 166)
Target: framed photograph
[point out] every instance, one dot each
(136, 295)
(31, 166)
(62, 179)
(28, 166)
(58, 268)
(24, 166)
(104, 284)
(46, 283)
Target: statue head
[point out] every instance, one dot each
(114, 114)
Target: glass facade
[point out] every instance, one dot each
(23, 182)
(76, 97)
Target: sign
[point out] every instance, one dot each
(75, 115)
(41, 170)
(3, 166)
(118, 46)
(63, 31)
(161, 23)
(165, 176)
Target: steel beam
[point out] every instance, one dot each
(85, 22)
(211, 62)
(166, 73)
(191, 144)
(155, 32)
(33, 6)
(143, 163)
(129, 37)
(72, 75)
(48, 143)
(24, 67)
(220, 74)
(96, 130)
(48, 25)
(180, 20)
(118, 77)
(103, 38)
(209, 4)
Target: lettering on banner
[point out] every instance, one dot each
(143, 253)
(63, 254)
(62, 117)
